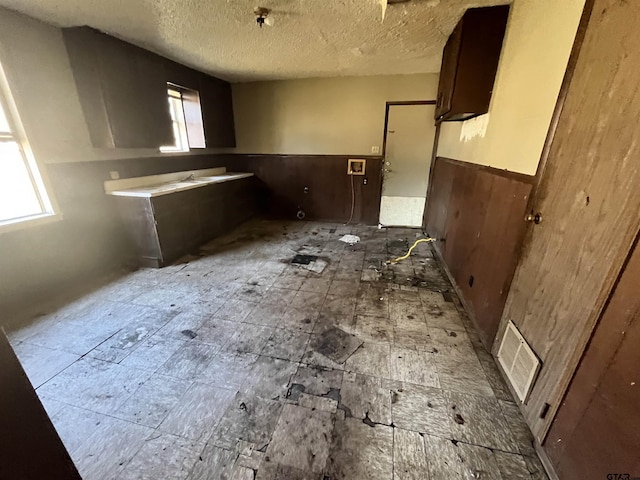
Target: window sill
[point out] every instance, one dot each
(28, 222)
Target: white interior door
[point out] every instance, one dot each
(410, 134)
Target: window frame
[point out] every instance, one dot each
(39, 182)
(192, 126)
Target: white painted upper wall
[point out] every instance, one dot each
(35, 61)
(323, 116)
(534, 58)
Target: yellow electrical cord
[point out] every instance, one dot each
(411, 249)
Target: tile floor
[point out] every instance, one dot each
(236, 364)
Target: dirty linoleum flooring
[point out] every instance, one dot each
(238, 365)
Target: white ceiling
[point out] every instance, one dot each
(309, 38)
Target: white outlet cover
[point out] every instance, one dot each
(375, 149)
(115, 175)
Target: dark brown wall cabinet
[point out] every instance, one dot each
(469, 64)
(217, 112)
(166, 227)
(123, 93)
(122, 90)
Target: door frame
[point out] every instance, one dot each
(383, 153)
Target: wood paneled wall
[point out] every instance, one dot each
(596, 431)
(329, 187)
(476, 213)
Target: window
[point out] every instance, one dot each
(178, 122)
(22, 193)
(186, 118)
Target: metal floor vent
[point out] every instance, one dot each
(518, 360)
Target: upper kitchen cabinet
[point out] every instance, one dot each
(217, 112)
(469, 64)
(122, 90)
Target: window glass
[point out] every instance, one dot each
(22, 193)
(178, 123)
(18, 196)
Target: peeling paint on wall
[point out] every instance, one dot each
(476, 127)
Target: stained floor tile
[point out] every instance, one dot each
(286, 344)
(189, 361)
(420, 409)
(363, 396)
(151, 403)
(230, 365)
(269, 377)
(198, 411)
(110, 446)
(41, 364)
(228, 369)
(360, 452)
(336, 344)
(302, 438)
(370, 359)
(250, 419)
(94, 384)
(162, 456)
(479, 420)
(409, 457)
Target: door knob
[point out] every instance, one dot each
(533, 217)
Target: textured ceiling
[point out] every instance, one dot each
(309, 38)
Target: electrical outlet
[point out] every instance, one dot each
(365, 181)
(375, 150)
(115, 175)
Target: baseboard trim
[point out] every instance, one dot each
(546, 462)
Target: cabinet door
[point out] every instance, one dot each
(448, 72)
(152, 100)
(81, 44)
(217, 112)
(118, 71)
(135, 95)
(177, 223)
(122, 90)
(211, 208)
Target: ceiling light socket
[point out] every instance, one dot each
(262, 14)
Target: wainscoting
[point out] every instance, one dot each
(476, 213)
(328, 194)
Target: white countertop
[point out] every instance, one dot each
(156, 185)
